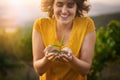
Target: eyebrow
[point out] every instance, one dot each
(71, 1)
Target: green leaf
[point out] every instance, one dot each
(56, 45)
(60, 44)
(62, 40)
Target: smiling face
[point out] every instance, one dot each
(64, 11)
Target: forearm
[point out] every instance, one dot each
(41, 65)
(80, 65)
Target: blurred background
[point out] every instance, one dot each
(16, 22)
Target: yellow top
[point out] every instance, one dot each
(47, 28)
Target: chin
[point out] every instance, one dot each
(65, 22)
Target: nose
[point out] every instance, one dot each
(64, 9)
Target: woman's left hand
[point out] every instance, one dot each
(66, 55)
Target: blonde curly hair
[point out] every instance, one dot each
(47, 6)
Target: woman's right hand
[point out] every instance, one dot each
(50, 53)
(50, 56)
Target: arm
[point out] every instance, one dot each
(40, 61)
(83, 63)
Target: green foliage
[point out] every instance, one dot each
(24, 44)
(114, 32)
(15, 50)
(106, 49)
(7, 56)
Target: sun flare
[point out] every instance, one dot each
(10, 30)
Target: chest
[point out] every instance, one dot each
(64, 33)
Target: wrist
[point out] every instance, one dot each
(72, 59)
(45, 59)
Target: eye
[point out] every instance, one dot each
(70, 5)
(59, 4)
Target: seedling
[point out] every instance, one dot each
(59, 45)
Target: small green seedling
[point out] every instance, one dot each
(60, 44)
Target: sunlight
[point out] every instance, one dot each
(21, 10)
(10, 30)
(16, 3)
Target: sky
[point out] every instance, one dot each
(16, 12)
(104, 6)
(19, 10)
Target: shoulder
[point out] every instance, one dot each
(89, 19)
(42, 21)
(83, 21)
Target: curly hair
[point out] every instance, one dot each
(47, 6)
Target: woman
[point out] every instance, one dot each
(65, 18)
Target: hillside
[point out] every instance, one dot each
(103, 20)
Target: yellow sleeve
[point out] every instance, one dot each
(37, 25)
(90, 26)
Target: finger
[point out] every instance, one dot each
(51, 58)
(68, 52)
(59, 58)
(64, 56)
(64, 59)
(49, 54)
(47, 48)
(68, 58)
(65, 49)
(56, 58)
(46, 52)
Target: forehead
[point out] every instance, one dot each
(65, 1)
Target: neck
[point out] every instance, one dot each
(64, 26)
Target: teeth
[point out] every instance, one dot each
(64, 16)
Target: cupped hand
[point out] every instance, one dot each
(53, 54)
(50, 56)
(65, 55)
(50, 53)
